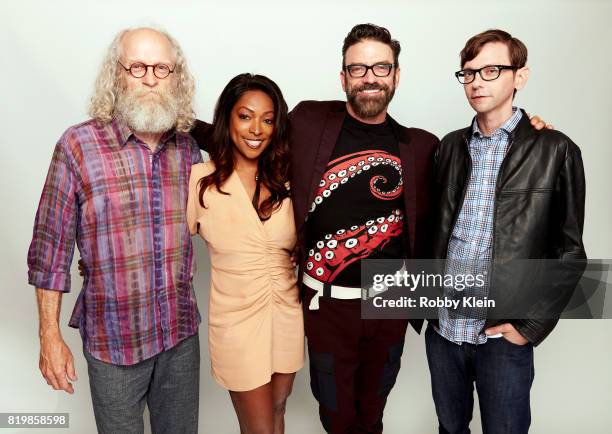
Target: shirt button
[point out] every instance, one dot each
(480, 213)
(473, 243)
(485, 182)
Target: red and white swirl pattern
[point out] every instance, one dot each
(338, 250)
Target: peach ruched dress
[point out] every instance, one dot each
(255, 323)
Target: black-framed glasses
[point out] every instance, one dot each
(358, 70)
(139, 69)
(487, 73)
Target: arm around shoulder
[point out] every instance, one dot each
(201, 132)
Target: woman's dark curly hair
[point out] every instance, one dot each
(273, 163)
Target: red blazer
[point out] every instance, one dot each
(315, 127)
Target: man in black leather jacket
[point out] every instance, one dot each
(504, 192)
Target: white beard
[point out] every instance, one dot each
(144, 113)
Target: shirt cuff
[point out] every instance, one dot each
(46, 280)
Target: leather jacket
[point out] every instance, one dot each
(538, 214)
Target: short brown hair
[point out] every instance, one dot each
(372, 32)
(518, 50)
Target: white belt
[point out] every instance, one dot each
(337, 291)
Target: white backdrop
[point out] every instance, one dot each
(50, 53)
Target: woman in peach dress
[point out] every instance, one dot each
(239, 204)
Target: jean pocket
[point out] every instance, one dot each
(391, 368)
(322, 381)
(512, 344)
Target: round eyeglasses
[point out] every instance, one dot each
(139, 69)
(487, 73)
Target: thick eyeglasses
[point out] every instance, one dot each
(359, 70)
(487, 73)
(139, 70)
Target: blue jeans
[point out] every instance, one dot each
(167, 382)
(503, 373)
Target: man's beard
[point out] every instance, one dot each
(368, 107)
(147, 111)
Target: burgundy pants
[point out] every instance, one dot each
(353, 363)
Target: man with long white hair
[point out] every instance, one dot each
(118, 185)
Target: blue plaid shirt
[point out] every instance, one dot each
(470, 245)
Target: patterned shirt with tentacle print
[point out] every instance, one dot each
(357, 212)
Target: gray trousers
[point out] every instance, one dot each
(168, 383)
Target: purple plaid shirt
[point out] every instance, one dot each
(126, 209)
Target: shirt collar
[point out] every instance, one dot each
(507, 127)
(123, 133)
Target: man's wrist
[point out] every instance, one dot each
(49, 331)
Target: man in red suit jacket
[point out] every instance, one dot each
(360, 184)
